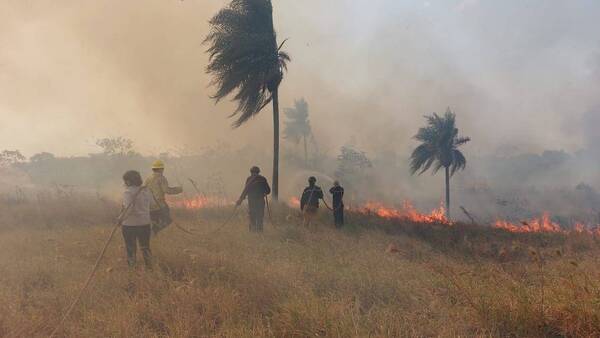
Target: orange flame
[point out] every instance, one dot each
(542, 224)
(408, 212)
(580, 228)
(545, 224)
(294, 202)
(199, 202)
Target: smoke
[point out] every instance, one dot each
(520, 75)
(73, 71)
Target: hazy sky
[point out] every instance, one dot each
(519, 73)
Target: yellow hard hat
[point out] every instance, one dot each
(158, 164)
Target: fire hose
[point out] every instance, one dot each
(196, 187)
(330, 208)
(324, 202)
(212, 232)
(231, 216)
(118, 223)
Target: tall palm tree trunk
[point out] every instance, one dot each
(448, 192)
(275, 144)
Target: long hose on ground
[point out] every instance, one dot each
(217, 229)
(118, 223)
(212, 232)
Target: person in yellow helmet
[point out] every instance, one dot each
(158, 185)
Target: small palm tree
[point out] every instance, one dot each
(297, 125)
(439, 148)
(246, 59)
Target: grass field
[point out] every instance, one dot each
(373, 279)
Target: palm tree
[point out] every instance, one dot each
(439, 148)
(297, 126)
(246, 60)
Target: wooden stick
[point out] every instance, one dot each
(468, 215)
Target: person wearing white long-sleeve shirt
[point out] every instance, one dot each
(136, 222)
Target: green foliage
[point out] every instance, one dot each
(351, 159)
(297, 125)
(10, 157)
(352, 165)
(116, 146)
(42, 157)
(439, 145)
(245, 57)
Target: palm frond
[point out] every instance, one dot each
(459, 141)
(439, 141)
(421, 159)
(438, 165)
(459, 161)
(281, 44)
(244, 57)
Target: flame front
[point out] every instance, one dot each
(200, 202)
(544, 224)
(408, 212)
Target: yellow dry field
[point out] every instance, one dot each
(291, 281)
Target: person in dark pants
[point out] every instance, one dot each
(256, 190)
(309, 202)
(135, 223)
(337, 194)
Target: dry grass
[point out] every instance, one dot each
(290, 281)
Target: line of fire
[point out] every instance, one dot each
(407, 212)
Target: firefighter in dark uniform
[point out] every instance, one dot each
(309, 202)
(256, 190)
(337, 194)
